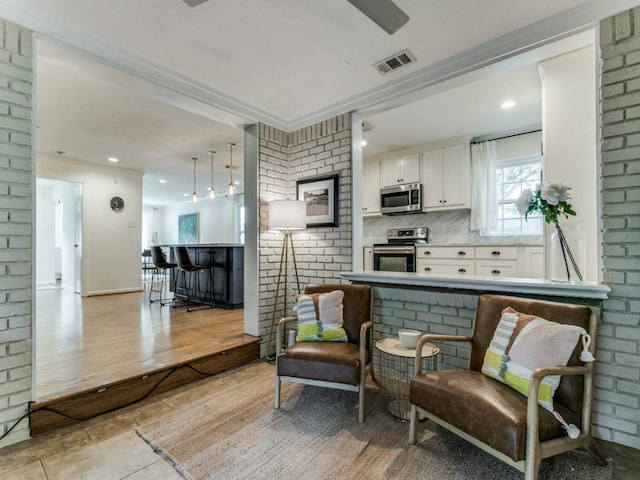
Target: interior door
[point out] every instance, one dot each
(77, 267)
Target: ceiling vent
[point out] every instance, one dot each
(400, 59)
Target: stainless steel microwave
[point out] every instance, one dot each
(405, 198)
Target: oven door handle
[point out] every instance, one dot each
(395, 250)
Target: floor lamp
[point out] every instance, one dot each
(285, 216)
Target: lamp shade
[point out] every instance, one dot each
(287, 215)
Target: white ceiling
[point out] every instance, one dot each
(172, 81)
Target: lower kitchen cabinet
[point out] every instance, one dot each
(486, 260)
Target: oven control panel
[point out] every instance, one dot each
(408, 234)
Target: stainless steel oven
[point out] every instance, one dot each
(399, 254)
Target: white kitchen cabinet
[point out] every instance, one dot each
(397, 171)
(446, 266)
(497, 268)
(367, 263)
(497, 261)
(371, 189)
(445, 177)
(424, 252)
(445, 260)
(518, 261)
(531, 262)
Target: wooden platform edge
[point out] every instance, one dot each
(55, 413)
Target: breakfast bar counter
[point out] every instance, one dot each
(481, 284)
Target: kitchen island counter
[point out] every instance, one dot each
(227, 266)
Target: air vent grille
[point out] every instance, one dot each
(394, 62)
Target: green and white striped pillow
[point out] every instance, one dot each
(320, 317)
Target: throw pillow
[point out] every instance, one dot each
(320, 317)
(522, 343)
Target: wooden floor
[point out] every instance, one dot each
(97, 353)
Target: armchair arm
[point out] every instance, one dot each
(532, 400)
(280, 333)
(430, 337)
(363, 342)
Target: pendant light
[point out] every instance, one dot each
(212, 191)
(194, 195)
(231, 188)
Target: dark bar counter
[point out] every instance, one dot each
(227, 263)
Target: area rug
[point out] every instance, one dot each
(236, 434)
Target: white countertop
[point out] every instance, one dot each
(532, 286)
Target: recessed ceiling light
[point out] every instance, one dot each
(113, 159)
(162, 180)
(363, 143)
(508, 104)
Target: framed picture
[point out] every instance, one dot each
(321, 196)
(188, 229)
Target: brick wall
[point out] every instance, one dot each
(321, 252)
(16, 86)
(617, 416)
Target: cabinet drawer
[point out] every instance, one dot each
(445, 267)
(497, 268)
(497, 253)
(445, 252)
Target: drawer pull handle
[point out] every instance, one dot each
(427, 252)
(462, 253)
(495, 272)
(495, 252)
(462, 270)
(427, 269)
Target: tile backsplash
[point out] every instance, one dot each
(449, 227)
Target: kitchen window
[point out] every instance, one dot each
(513, 176)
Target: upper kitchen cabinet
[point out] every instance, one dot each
(397, 171)
(371, 189)
(445, 177)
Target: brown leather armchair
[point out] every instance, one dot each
(341, 365)
(492, 415)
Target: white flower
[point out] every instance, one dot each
(524, 200)
(553, 193)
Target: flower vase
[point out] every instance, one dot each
(567, 253)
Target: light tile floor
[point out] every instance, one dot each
(107, 447)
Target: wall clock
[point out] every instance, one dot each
(116, 203)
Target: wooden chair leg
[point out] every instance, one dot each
(361, 389)
(413, 424)
(277, 393)
(532, 463)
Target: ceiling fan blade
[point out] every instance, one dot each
(194, 3)
(385, 13)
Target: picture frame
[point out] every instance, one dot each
(321, 196)
(188, 229)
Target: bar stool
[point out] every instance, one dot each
(147, 266)
(191, 288)
(161, 268)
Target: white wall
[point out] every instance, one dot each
(519, 146)
(111, 241)
(45, 236)
(569, 138)
(217, 220)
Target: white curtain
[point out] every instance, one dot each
(483, 187)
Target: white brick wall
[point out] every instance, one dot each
(617, 415)
(16, 85)
(321, 252)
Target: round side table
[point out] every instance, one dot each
(393, 371)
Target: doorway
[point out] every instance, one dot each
(59, 235)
